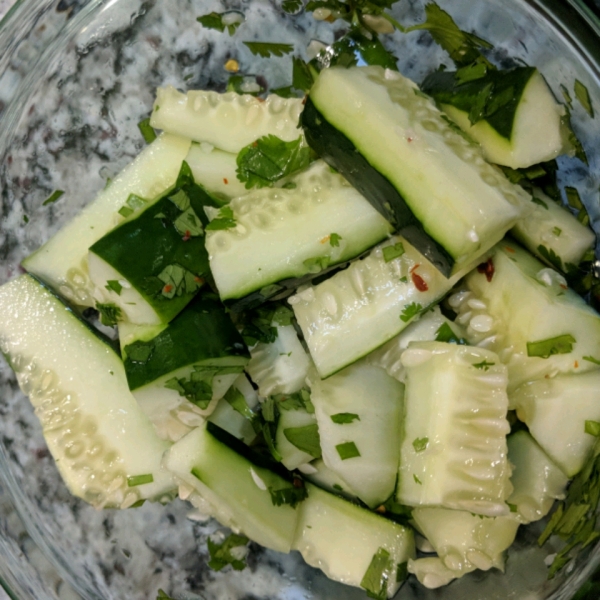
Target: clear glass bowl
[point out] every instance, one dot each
(76, 76)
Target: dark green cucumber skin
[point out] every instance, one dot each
(200, 335)
(339, 152)
(445, 88)
(140, 248)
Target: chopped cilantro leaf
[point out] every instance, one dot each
(471, 72)
(305, 438)
(139, 351)
(420, 444)
(512, 507)
(109, 313)
(417, 480)
(221, 554)
(292, 494)
(562, 344)
(188, 224)
(236, 400)
(446, 334)
(375, 579)
(344, 418)
(401, 572)
(338, 487)
(268, 159)
(56, 194)
(302, 75)
(224, 220)
(125, 211)
(540, 202)
(567, 97)
(347, 450)
(181, 200)
(283, 316)
(147, 131)
(25, 219)
(162, 595)
(334, 240)
(392, 252)
(484, 365)
(556, 231)
(286, 91)
(178, 281)
(291, 6)
(221, 21)
(582, 94)
(550, 257)
(574, 200)
(410, 310)
(266, 49)
(245, 84)
(404, 279)
(113, 285)
(197, 386)
(593, 428)
(136, 480)
(592, 360)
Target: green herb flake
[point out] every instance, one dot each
(548, 255)
(471, 72)
(566, 95)
(245, 84)
(344, 418)
(267, 49)
(557, 231)
(582, 94)
(410, 311)
(113, 285)
(125, 211)
(593, 428)
(417, 480)
(283, 316)
(162, 595)
(445, 333)
(375, 579)
(25, 219)
(178, 281)
(334, 240)
(188, 224)
(562, 344)
(393, 251)
(286, 91)
(221, 554)
(347, 450)
(305, 438)
(420, 444)
(404, 279)
(302, 75)
(291, 6)
(221, 21)
(512, 507)
(292, 494)
(592, 360)
(269, 159)
(56, 194)
(237, 401)
(109, 313)
(147, 130)
(484, 365)
(197, 386)
(139, 351)
(224, 220)
(136, 480)
(574, 201)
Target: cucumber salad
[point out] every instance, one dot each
(353, 315)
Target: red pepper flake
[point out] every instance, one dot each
(576, 365)
(255, 144)
(325, 239)
(297, 483)
(409, 139)
(563, 286)
(304, 100)
(487, 269)
(419, 282)
(381, 510)
(187, 236)
(225, 181)
(198, 280)
(167, 288)
(509, 249)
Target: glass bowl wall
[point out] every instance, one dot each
(76, 76)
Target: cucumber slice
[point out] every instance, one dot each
(178, 376)
(158, 261)
(321, 475)
(527, 303)
(228, 121)
(431, 326)
(556, 411)
(463, 541)
(359, 412)
(103, 445)
(62, 261)
(293, 421)
(536, 479)
(215, 170)
(520, 124)
(236, 486)
(365, 121)
(282, 233)
(342, 540)
(453, 453)
(553, 234)
(280, 367)
(357, 310)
